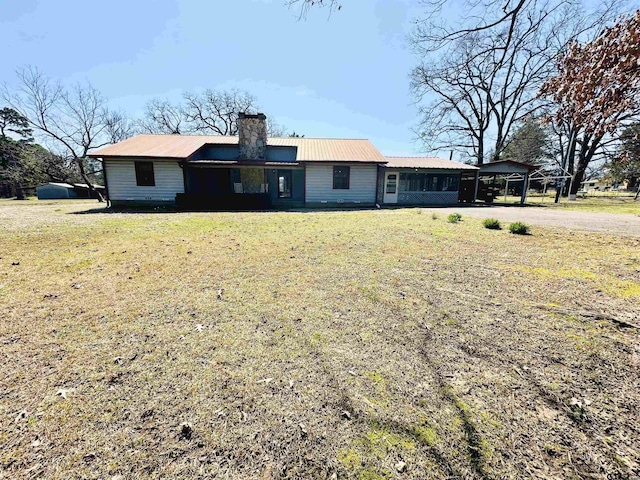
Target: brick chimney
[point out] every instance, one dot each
(252, 130)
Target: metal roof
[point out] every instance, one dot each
(182, 146)
(261, 163)
(426, 162)
(163, 146)
(331, 149)
(506, 167)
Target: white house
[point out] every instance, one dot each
(253, 171)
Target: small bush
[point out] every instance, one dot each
(519, 228)
(454, 218)
(491, 223)
(434, 216)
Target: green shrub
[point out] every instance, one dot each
(491, 223)
(519, 228)
(454, 218)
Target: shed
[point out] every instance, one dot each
(56, 190)
(53, 190)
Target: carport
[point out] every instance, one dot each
(508, 169)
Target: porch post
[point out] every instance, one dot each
(475, 192)
(525, 182)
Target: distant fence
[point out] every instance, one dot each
(589, 194)
(608, 193)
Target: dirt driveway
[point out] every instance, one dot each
(617, 224)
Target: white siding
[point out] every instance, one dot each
(121, 180)
(362, 184)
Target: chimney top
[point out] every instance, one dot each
(257, 116)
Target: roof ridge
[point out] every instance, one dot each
(179, 135)
(319, 138)
(173, 135)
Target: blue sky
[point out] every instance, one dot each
(340, 76)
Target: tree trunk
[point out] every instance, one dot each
(480, 154)
(583, 163)
(19, 192)
(579, 175)
(637, 192)
(85, 177)
(588, 149)
(559, 189)
(569, 155)
(569, 163)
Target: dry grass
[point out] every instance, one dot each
(602, 203)
(314, 344)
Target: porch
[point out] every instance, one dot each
(215, 185)
(421, 187)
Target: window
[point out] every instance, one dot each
(413, 182)
(449, 183)
(144, 174)
(341, 178)
(391, 183)
(423, 182)
(284, 183)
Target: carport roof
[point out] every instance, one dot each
(506, 167)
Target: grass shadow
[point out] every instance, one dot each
(109, 210)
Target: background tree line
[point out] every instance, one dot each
(548, 82)
(47, 129)
(538, 81)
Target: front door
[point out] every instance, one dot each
(284, 183)
(390, 187)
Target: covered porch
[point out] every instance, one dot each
(227, 185)
(420, 187)
(424, 181)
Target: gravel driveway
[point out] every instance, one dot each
(614, 223)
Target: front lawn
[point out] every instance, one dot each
(370, 345)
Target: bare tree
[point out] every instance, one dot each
(460, 115)
(73, 121)
(119, 126)
(306, 5)
(493, 67)
(275, 129)
(212, 112)
(216, 112)
(162, 117)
